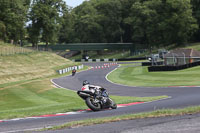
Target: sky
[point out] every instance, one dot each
(73, 3)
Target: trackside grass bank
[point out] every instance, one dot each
(20, 67)
(139, 76)
(154, 114)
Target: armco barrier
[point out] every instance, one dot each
(107, 60)
(132, 59)
(68, 69)
(94, 60)
(172, 68)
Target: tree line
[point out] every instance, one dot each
(151, 23)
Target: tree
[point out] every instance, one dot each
(67, 34)
(34, 33)
(110, 18)
(144, 21)
(12, 19)
(2, 30)
(45, 19)
(196, 13)
(179, 22)
(126, 12)
(162, 22)
(87, 27)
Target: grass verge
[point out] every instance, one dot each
(139, 76)
(39, 97)
(153, 114)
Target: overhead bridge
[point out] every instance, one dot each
(93, 46)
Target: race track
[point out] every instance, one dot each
(179, 97)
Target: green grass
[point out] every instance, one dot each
(19, 67)
(139, 76)
(36, 98)
(39, 97)
(137, 63)
(153, 114)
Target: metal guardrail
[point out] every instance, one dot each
(94, 60)
(109, 60)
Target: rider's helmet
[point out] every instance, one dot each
(85, 82)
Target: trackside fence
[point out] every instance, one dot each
(172, 68)
(5, 51)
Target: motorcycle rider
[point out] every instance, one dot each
(96, 97)
(73, 72)
(97, 90)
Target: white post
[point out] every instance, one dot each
(64, 71)
(60, 71)
(106, 60)
(184, 58)
(173, 59)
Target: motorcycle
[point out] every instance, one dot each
(73, 72)
(97, 98)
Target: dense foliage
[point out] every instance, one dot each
(12, 19)
(151, 23)
(45, 18)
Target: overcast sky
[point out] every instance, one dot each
(73, 3)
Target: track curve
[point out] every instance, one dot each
(180, 97)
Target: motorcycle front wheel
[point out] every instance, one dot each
(113, 105)
(92, 104)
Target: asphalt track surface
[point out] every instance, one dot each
(179, 97)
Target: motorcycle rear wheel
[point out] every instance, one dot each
(92, 105)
